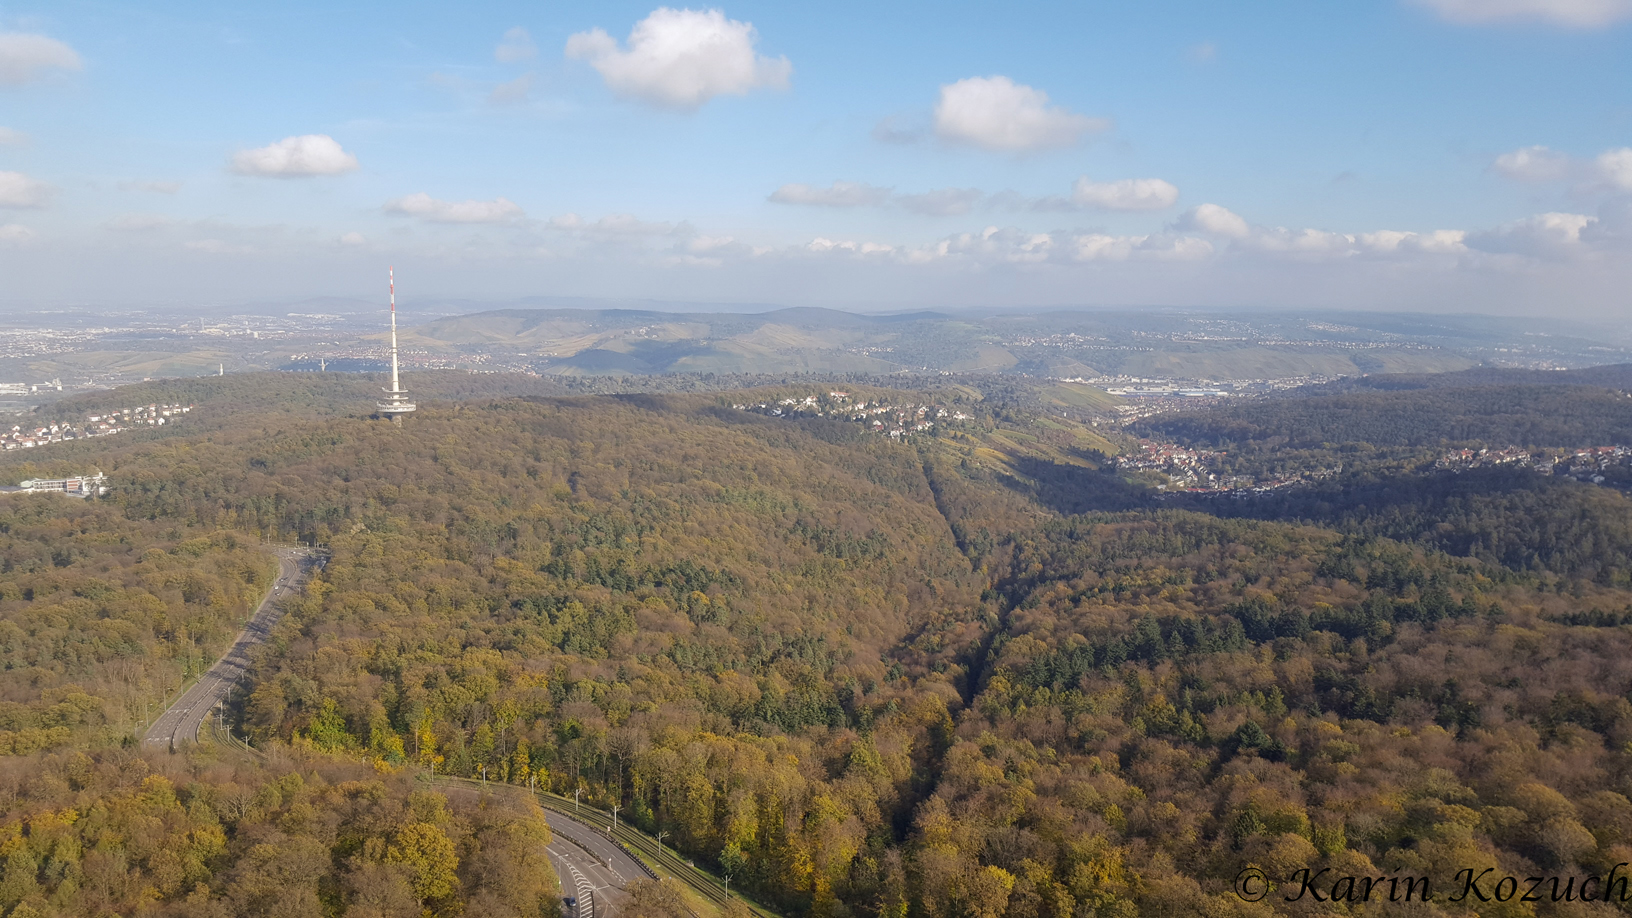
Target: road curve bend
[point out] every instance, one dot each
(180, 723)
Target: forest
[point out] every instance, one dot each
(971, 674)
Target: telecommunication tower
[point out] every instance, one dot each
(396, 402)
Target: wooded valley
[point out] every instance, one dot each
(968, 673)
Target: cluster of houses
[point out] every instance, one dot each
(883, 418)
(95, 425)
(1594, 464)
(1460, 459)
(1196, 471)
(1185, 468)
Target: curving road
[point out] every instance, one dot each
(180, 722)
(591, 868)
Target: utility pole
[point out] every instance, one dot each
(660, 843)
(615, 816)
(575, 792)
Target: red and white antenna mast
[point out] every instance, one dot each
(396, 402)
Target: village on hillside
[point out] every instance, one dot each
(94, 425)
(883, 418)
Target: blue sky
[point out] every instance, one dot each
(1469, 155)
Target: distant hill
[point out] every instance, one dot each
(577, 341)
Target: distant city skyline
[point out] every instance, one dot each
(1438, 155)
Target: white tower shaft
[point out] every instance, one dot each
(391, 275)
(396, 402)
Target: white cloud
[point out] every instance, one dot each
(701, 245)
(839, 194)
(514, 91)
(1576, 14)
(422, 205)
(1127, 194)
(1614, 168)
(996, 113)
(1390, 242)
(1103, 247)
(15, 234)
(942, 202)
(295, 157)
(1550, 235)
(516, 45)
(24, 56)
(1611, 169)
(159, 187)
(19, 191)
(1213, 220)
(138, 223)
(822, 244)
(11, 138)
(1302, 243)
(681, 58)
(353, 239)
(1533, 164)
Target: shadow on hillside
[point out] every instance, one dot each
(1072, 489)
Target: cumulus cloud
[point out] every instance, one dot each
(1550, 235)
(839, 194)
(1390, 242)
(11, 138)
(1575, 14)
(996, 113)
(353, 239)
(425, 207)
(19, 191)
(1611, 169)
(1127, 194)
(1013, 246)
(1533, 164)
(1614, 168)
(295, 157)
(942, 202)
(1159, 247)
(24, 57)
(15, 234)
(681, 58)
(516, 45)
(1213, 220)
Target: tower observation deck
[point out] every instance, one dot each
(395, 404)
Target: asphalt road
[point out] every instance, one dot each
(586, 861)
(180, 722)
